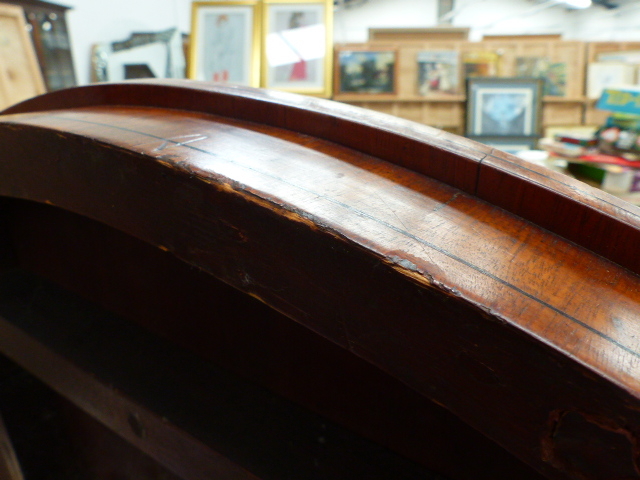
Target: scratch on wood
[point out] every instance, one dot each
(174, 141)
(445, 204)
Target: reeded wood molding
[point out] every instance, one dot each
(429, 271)
(587, 216)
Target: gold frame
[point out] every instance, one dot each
(325, 90)
(252, 58)
(21, 77)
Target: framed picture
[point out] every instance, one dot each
(554, 74)
(297, 46)
(601, 75)
(366, 71)
(504, 106)
(225, 42)
(511, 145)
(481, 64)
(20, 77)
(438, 72)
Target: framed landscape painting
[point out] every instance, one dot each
(366, 72)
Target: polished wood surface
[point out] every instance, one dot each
(9, 466)
(500, 290)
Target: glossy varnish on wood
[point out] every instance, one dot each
(462, 272)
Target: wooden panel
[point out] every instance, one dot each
(573, 54)
(435, 108)
(519, 38)
(187, 418)
(440, 114)
(20, 75)
(504, 291)
(593, 115)
(418, 34)
(562, 113)
(153, 289)
(596, 48)
(444, 114)
(570, 52)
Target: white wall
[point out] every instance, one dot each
(96, 21)
(620, 24)
(352, 24)
(483, 16)
(93, 21)
(514, 17)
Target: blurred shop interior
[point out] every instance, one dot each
(554, 82)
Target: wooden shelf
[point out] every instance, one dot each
(448, 111)
(552, 99)
(69, 343)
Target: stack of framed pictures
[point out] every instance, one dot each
(504, 112)
(279, 44)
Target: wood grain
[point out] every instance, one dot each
(9, 466)
(500, 290)
(445, 157)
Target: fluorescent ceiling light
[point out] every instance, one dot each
(577, 3)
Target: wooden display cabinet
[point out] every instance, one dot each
(48, 27)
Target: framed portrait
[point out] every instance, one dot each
(511, 145)
(366, 72)
(225, 42)
(297, 46)
(504, 106)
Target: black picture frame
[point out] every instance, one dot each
(504, 107)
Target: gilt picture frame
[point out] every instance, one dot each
(297, 46)
(225, 42)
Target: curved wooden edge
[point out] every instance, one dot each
(396, 279)
(587, 216)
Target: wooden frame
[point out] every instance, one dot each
(438, 72)
(421, 34)
(297, 45)
(504, 106)
(542, 37)
(602, 75)
(363, 72)
(236, 56)
(20, 77)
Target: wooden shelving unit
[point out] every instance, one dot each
(448, 111)
(593, 116)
